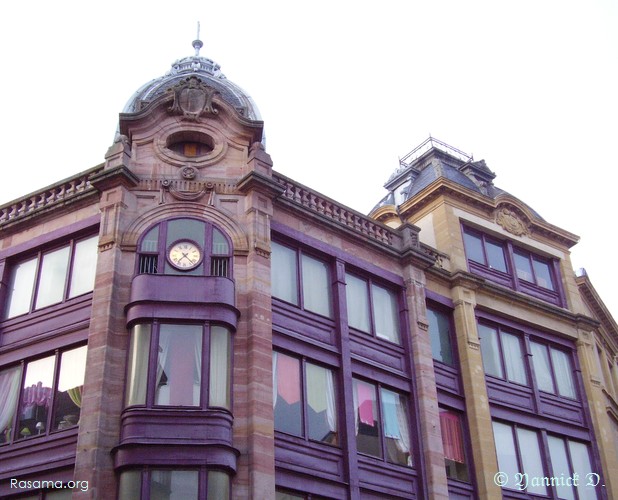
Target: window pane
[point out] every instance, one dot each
(490, 351)
(219, 243)
(220, 354)
(453, 444)
(495, 256)
(439, 334)
(20, 288)
(286, 385)
(10, 380)
(396, 428)
(68, 402)
(321, 409)
(357, 302)
(543, 274)
(137, 376)
(542, 369)
(563, 372)
(505, 449)
(531, 458)
(474, 248)
(366, 416)
(130, 485)
(150, 242)
(59, 495)
(173, 485)
(514, 359)
(179, 365)
(522, 265)
(580, 458)
(284, 273)
(52, 277)
(218, 485)
(280, 495)
(84, 266)
(560, 465)
(386, 313)
(36, 397)
(316, 286)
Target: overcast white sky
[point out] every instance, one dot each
(345, 89)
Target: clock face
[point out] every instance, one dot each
(185, 255)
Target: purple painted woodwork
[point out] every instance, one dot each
(447, 377)
(298, 455)
(197, 298)
(180, 436)
(387, 478)
(306, 325)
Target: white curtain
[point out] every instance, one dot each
(515, 370)
(284, 273)
(563, 372)
(404, 442)
(386, 313)
(331, 411)
(358, 302)
(542, 370)
(274, 379)
(162, 393)
(316, 286)
(219, 367)
(9, 396)
(321, 393)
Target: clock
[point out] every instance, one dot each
(184, 255)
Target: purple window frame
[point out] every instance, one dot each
(153, 358)
(304, 401)
(448, 314)
(371, 282)
(554, 295)
(300, 299)
(204, 240)
(39, 255)
(51, 413)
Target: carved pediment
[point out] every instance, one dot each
(512, 220)
(192, 99)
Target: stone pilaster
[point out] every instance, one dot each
(477, 401)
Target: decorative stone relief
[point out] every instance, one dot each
(510, 221)
(192, 99)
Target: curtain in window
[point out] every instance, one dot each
(316, 286)
(531, 459)
(288, 379)
(560, 465)
(84, 266)
(452, 438)
(563, 372)
(490, 351)
(53, 272)
(396, 420)
(513, 358)
(386, 313)
(284, 274)
(139, 353)
(219, 386)
(357, 302)
(162, 392)
(542, 369)
(321, 400)
(365, 403)
(275, 388)
(9, 393)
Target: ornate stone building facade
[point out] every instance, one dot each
(184, 322)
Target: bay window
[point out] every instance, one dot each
(304, 399)
(512, 266)
(165, 365)
(44, 397)
(174, 484)
(310, 288)
(382, 424)
(372, 308)
(51, 277)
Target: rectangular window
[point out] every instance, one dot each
(502, 354)
(552, 370)
(372, 308)
(174, 484)
(382, 429)
(304, 399)
(453, 444)
(52, 277)
(440, 336)
(44, 402)
(502, 262)
(518, 452)
(570, 457)
(165, 367)
(314, 294)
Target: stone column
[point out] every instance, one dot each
(475, 390)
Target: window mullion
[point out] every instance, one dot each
(484, 246)
(54, 390)
(512, 267)
(35, 285)
(300, 296)
(205, 382)
(69, 273)
(153, 360)
(303, 398)
(372, 322)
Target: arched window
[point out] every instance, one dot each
(185, 246)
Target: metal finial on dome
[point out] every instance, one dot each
(197, 43)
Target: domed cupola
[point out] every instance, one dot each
(206, 70)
